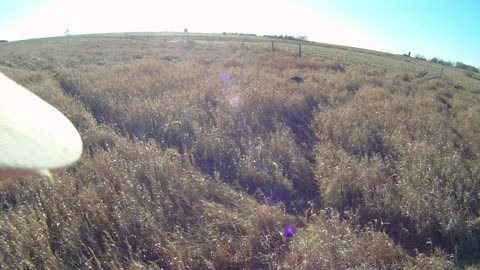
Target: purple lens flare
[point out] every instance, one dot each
(289, 231)
(226, 78)
(230, 94)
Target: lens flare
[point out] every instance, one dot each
(226, 78)
(289, 231)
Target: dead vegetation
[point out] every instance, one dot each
(198, 157)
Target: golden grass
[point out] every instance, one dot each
(199, 153)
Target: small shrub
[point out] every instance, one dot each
(468, 73)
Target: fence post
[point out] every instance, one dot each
(441, 73)
(273, 46)
(299, 50)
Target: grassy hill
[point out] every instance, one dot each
(200, 153)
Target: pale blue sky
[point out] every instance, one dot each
(443, 28)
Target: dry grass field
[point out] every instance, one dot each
(200, 153)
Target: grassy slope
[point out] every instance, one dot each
(185, 171)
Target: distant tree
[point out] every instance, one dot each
(434, 60)
(445, 63)
(67, 34)
(419, 56)
(460, 65)
(287, 37)
(466, 67)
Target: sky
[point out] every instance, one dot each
(447, 29)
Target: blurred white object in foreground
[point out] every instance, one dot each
(34, 136)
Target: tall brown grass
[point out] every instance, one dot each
(198, 155)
